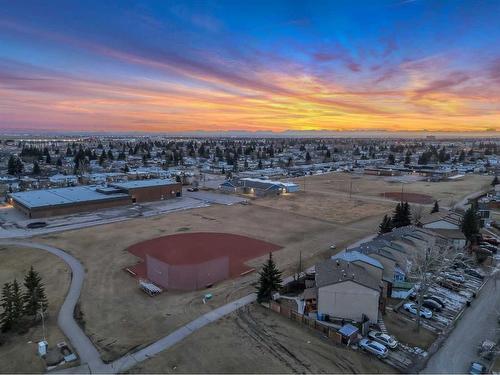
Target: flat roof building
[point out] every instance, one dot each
(63, 201)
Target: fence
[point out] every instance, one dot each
(328, 331)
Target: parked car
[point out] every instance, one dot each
(383, 339)
(435, 299)
(489, 247)
(448, 284)
(374, 347)
(491, 240)
(36, 225)
(412, 308)
(474, 273)
(455, 277)
(192, 189)
(477, 368)
(432, 305)
(413, 297)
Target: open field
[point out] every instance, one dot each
(18, 353)
(327, 206)
(447, 192)
(119, 317)
(256, 340)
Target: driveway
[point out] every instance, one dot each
(477, 323)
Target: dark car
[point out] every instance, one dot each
(489, 247)
(435, 299)
(36, 224)
(432, 305)
(474, 273)
(193, 189)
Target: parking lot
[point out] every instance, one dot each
(455, 301)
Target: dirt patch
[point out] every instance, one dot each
(197, 248)
(256, 340)
(18, 353)
(408, 197)
(404, 330)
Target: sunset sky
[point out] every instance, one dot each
(161, 66)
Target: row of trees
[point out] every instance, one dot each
(17, 304)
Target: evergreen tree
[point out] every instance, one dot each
(269, 281)
(435, 208)
(17, 303)
(402, 215)
(386, 225)
(406, 214)
(11, 166)
(36, 168)
(470, 223)
(34, 296)
(6, 303)
(495, 181)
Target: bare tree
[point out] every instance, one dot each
(417, 213)
(426, 269)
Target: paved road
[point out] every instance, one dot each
(477, 323)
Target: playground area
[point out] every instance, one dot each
(190, 261)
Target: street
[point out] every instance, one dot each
(478, 322)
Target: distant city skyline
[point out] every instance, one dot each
(279, 66)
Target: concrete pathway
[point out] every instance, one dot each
(79, 341)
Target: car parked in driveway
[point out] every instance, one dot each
(383, 339)
(412, 308)
(439, 301)
(374, 347)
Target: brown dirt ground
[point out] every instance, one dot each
(404, 331)
(19, 352)
(326, 206)
(363, 185)
(256, 340)
(119, 317)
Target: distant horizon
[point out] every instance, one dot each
(223, 66)
(255, 134)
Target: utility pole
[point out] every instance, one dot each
(350, 188)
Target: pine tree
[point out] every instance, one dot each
(36, 168)
(11, 166)
(6, 303)
(269, 281)
(435, 208)
(386, 225)
(495, 181)
(34, 296)
(470, 223)
(17, 304)
(406, 214)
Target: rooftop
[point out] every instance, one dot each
(62, 196)
(337, 271)
(143, 183)
(352, 256)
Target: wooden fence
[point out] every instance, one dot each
(328, 331)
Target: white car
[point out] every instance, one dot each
(384, 339)
(374, 347)
(412, 308)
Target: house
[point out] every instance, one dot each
(455, 236)
(372, 265)
(347, 291)
(441, 220)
